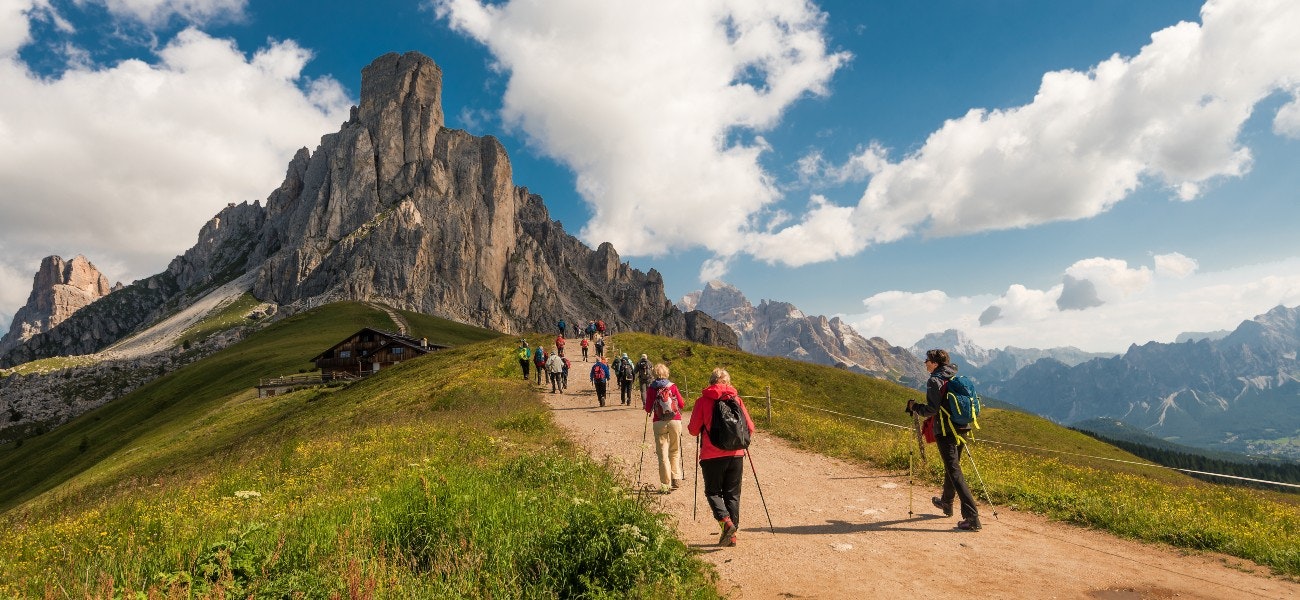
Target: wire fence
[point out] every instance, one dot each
(986, 440)
(768, 400)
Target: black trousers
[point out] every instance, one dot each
(625, 391)
(523, 364)
(600, 391)
(722, 478)
(954, 482)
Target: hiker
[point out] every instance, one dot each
(525, 356)
(564, 378)
(584, 349)
(539, 361)
(665, 405)
(555, 367)
(591, 329)
(722, 469)
(600, 346)
(599, 377)
(600, 327)
(643, 375)
(559, 344)
(950, 447)
(626, 375)
(561, 325)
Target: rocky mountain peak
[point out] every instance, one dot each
(59, 289)
(957, 343)
(778, 328)
(396, 208)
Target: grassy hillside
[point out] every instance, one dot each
(440, 477)
(1037, 466)
(446, 477)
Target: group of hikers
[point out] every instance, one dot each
(721, 422)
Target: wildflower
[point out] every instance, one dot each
(248, 494)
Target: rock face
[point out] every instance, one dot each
(396, 208)
(59, 289)
(1238, 393)
(781, 329)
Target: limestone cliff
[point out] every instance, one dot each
(397, 208)
(59, 289)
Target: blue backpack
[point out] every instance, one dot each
(961, 405)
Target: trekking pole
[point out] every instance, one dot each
(987, 497)
(771, 527)
(641, 462)
(910, 455)
(695, 502)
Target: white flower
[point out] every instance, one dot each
(248, 494)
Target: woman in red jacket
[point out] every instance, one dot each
(723, 469)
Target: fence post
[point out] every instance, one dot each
(769, 406)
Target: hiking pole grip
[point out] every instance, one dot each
(920, 438)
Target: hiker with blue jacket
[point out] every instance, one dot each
(600, 378)
(950, 447)
(722, 469)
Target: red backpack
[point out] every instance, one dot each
(597, 373)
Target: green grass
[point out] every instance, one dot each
(440, 477)
(1147, 503)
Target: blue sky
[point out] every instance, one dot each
(1033, 173)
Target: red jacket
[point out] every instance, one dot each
(702, 417)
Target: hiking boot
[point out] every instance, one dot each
(946, 507)
(728, 537)
(677, 483)
(969, 525)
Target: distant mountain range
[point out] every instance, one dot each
(780, 329)
(992, 366)
(1240, 393)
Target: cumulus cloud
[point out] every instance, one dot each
(1158, 310)
(1175, 265)
(175, 139)
(1172, 114)
(645, 101)
(157, 12)
(1078, 294)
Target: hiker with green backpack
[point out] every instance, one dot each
(950, 409)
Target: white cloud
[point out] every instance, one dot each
(1175, 265)
(1157, 310)
(1173, 113)
(175, 140)
(157, 12)
(1287, 121)
(643, 100)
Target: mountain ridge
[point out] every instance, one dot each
(396, 208)
(1236, 394)
(775, 328)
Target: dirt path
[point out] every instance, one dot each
(843, 531)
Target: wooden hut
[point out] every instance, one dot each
(369, 350)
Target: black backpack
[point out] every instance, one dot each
(728, 429)
(625, 372)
